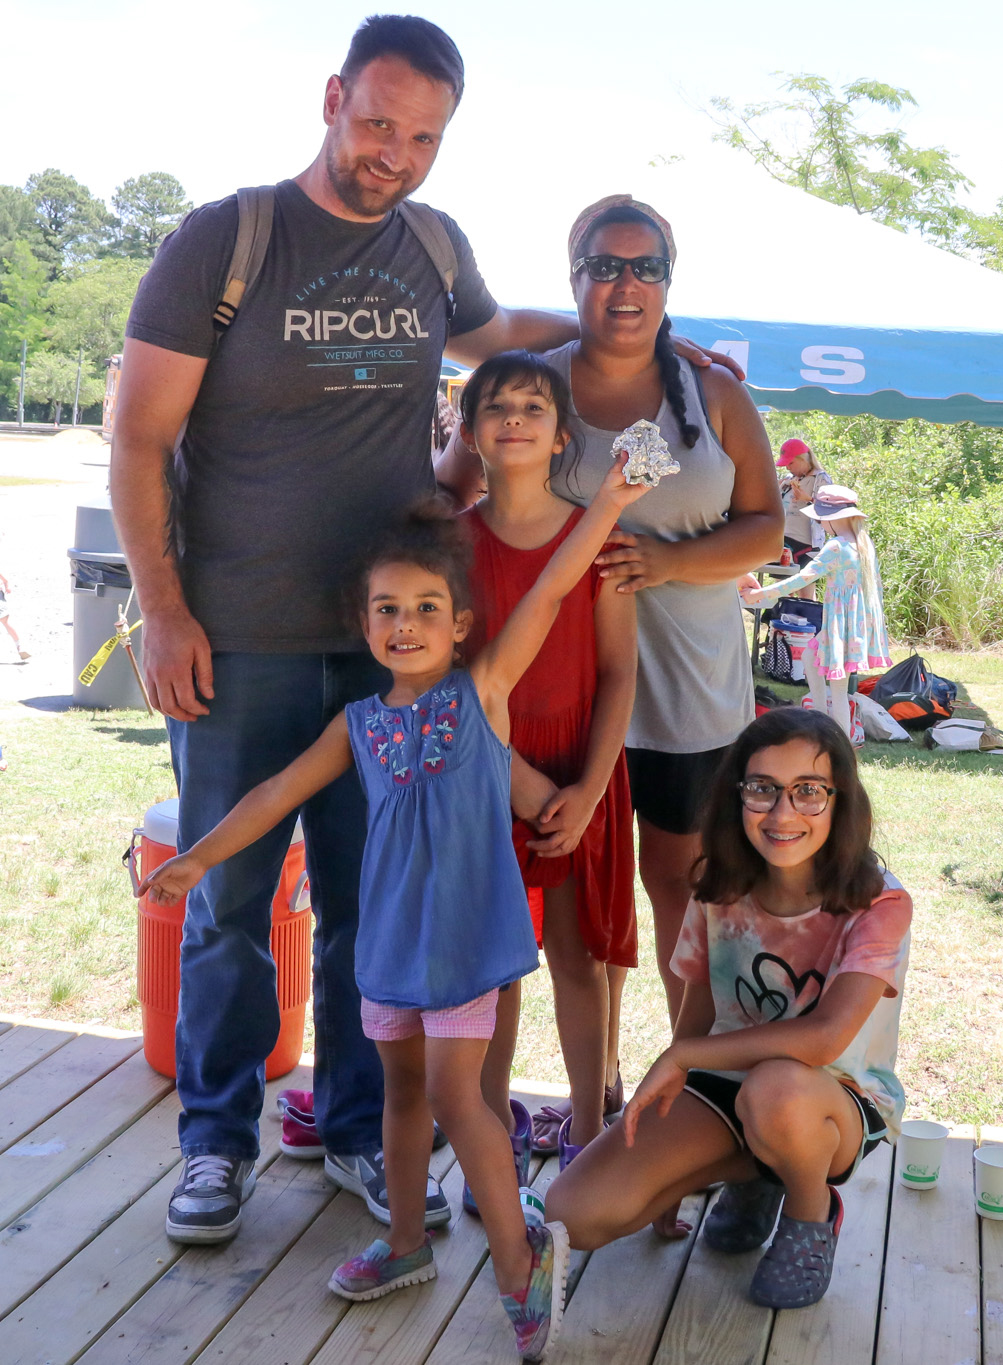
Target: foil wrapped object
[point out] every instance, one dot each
(648, 456)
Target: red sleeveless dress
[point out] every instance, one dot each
(551, 712)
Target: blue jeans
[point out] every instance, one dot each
(267, 710)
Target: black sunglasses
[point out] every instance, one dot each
(647, 269)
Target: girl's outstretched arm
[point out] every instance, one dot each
(565, 818)
(258, 812)
(815, 569)
(501, 664)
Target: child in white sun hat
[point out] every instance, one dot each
(853, 635)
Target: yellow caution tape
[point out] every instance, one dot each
(96, 664)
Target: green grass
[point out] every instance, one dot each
(77, 784)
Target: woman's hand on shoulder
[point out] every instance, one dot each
(638, 561)
(662, 1086)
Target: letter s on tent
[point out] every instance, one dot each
(836, 360)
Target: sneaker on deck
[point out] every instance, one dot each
(536, 1313)
(363, 1174)
(205, 1205)
(376, 1271)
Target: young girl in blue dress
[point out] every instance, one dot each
(443, 919)
(780, 1076)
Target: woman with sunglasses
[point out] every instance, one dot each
(718, 518)
(780, 1077)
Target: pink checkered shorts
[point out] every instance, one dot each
(390, 1023)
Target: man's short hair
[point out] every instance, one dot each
(421, 44)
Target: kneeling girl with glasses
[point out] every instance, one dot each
(780, 1077)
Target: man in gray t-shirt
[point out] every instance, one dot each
(305, 429)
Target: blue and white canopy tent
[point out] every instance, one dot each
(824, 309)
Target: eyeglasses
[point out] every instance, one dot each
(603, 269)
(807, 798)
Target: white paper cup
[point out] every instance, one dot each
(919, 1152)
(989, 1182)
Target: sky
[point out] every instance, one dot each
(565, 102)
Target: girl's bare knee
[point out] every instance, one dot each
(773, 1095)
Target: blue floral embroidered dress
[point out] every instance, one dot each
(443, 916)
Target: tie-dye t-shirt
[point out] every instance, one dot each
(761, 967)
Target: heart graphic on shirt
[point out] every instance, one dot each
(777, 988)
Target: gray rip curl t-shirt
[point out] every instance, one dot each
(312, 426)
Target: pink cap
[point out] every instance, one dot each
(790, 450)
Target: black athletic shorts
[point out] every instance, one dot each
(668, 790)
(720, 1092)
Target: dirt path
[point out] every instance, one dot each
(37, 523)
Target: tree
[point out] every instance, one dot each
(73, 224)
(17, 220)
(89, 310)
(23, 287)
(149, 207)
(983, 237)
(52, 378)
(828, 152)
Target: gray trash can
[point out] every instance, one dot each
(101, 585)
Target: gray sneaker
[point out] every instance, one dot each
(205, 1205)
(362, 1174)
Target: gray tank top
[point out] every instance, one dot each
(694, 680)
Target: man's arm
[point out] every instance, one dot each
(513, 329)
(534, 329)
(156, 393)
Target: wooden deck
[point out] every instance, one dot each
(88, 1156)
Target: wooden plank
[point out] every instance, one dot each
(842, 1328)
(86, 1296)
(713, 1321)
(991, 1237)
(30, 1168)
(181, 1313)
(5, 1024)
(44, 1090)
(930, 1307)
(622, 1300)
(293, 1312)
(25, 1045)
(50, 1233)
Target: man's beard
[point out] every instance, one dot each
(369, 203)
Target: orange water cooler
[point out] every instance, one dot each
(159, 957)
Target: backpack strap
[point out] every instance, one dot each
(255, 208)
(427, 226)
(254, 228)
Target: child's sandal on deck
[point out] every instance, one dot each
(743, 1216)
(797, 1266)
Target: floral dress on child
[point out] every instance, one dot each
(852, 637)
(442, 911)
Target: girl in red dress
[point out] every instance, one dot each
(569, 718)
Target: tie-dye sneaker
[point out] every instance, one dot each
(536, 1313)
(376, 1271)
